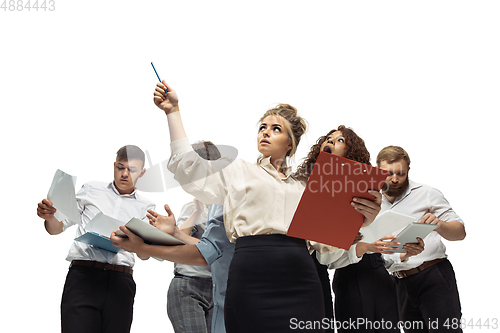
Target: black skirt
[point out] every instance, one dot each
(273, 286)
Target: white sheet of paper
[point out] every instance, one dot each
(63, 197)
(103, 225)
(385, 224)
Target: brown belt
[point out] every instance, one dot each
(413, 271)
(103, 266)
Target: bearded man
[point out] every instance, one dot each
(426, 285)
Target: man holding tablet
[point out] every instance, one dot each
(426, 286)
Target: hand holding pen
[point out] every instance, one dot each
(164, 96)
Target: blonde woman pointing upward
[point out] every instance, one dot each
(272, 279)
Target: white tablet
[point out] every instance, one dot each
(150, 234)
(411, 232)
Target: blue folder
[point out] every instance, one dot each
(94, 239)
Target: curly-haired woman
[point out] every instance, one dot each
(363, 288)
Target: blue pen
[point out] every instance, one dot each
(158, 76)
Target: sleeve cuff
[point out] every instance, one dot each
(208, 250)
(67, 223)
(353, 258)
(180, 146)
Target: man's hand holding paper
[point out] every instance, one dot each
(46, 211)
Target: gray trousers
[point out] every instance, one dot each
(190, 304)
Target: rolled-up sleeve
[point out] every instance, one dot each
(214, 240)
(440, 207)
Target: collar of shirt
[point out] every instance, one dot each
(265, 163)
(411, 186)
(113, 187)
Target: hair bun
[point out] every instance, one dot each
(287, 107)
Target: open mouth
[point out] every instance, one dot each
(327, 149)
(264, 142)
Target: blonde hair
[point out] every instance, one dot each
(295, 125)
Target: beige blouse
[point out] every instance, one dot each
(257, 201)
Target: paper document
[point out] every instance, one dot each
(103, 225)
(98, 231)
(94, 239)
(385, 224)
(63, 197)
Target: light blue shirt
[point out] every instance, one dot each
(218, 253)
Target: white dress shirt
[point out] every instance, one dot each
(417, 201)
(95, 197)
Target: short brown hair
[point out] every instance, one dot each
(391, 154)
(131, 152)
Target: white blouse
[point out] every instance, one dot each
(257, 201)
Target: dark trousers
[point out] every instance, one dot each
(324, 278)
(365, 297)
(97, 300)
(428, 301)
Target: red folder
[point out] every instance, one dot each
(324, 213)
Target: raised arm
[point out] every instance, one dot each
(169, 103)
(189, 169)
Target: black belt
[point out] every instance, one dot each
(103, 266)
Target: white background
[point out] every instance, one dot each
(76, 84)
